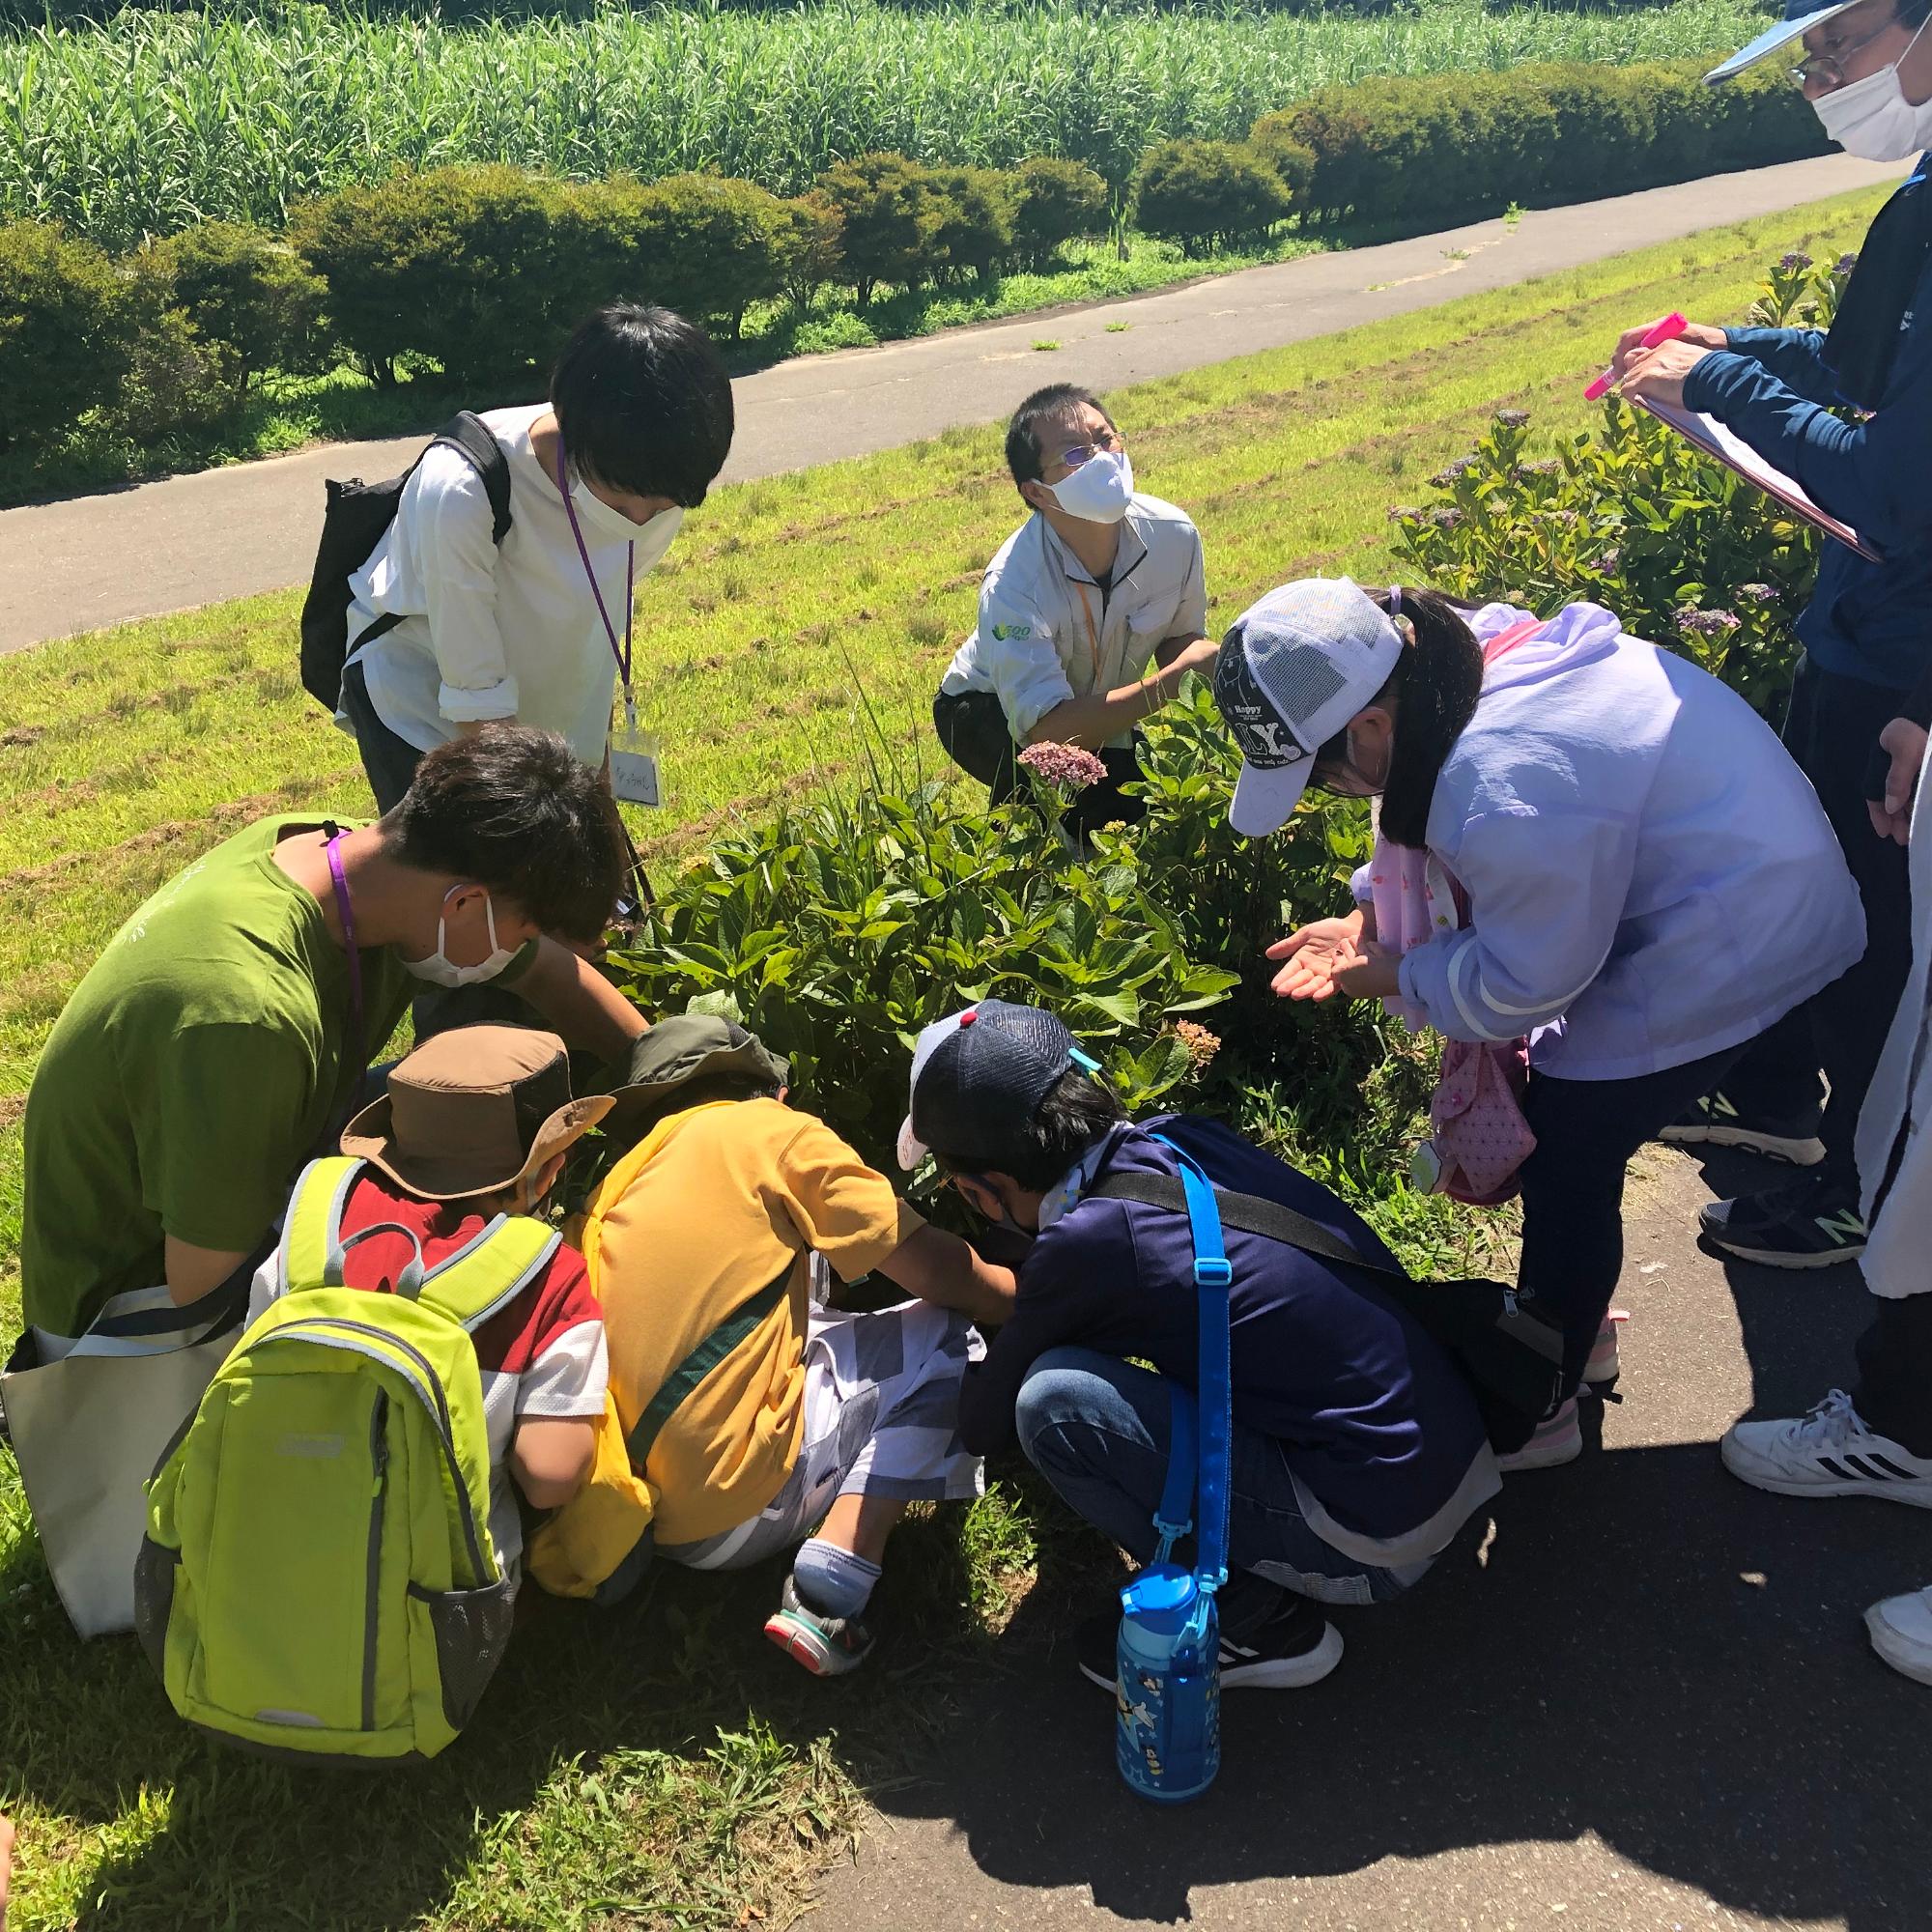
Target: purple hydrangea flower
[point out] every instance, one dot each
(1755, 593)
(1705, 623)
(1795, 260)
(1513, 418)
(1444, 479)
(1399, 513)
(1445, 520)
(1844, 264)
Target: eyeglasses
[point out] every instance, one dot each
(1831, 68)
(1077, 453)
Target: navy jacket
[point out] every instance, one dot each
(1372, 1418)
(1871, 621)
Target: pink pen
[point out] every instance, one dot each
(1666, 330)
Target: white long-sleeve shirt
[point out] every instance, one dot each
(488, 632)
(1048, 633)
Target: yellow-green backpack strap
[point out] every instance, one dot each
(314, 1223)
(491, 1269)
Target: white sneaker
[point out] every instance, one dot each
(1827, 1453)
(1901, 1632)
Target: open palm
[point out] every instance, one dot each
(1313, 954)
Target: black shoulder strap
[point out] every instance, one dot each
(1248, 1212)
(469, 437)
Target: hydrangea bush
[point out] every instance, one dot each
(1632, 517)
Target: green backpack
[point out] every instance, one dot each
(316, 1581)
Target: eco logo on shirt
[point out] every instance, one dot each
(1004, 631)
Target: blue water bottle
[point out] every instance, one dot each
(1167, 1691)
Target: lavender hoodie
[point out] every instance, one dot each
(1651, 878)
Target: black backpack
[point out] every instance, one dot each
(353, 526)
(1511, 1357)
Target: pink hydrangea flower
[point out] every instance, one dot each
(1201, 1044)
(1064, 765)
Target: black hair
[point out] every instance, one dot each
(1075, 1113)
(644, 403)
(513, 809)
(1913, 13)
(1045, 405)
(1433, 691)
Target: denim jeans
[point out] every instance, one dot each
(1097, 1430)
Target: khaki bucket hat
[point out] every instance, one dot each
(676, 1052)
(473, 1111)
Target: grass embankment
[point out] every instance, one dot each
(667, 1768)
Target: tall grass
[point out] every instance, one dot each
(161, 119)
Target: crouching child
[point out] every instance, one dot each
(1358, 1449)
(333, 1544)
(751, 1419)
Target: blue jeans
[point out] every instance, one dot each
(1097, 1430)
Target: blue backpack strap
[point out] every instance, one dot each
(1214, 1276)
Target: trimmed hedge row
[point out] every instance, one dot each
(1458, 144)
(482, 270)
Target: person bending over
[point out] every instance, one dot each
(754, 1419)
(1358, 1451)
(222, 1038)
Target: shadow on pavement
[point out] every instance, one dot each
(1653, 1653)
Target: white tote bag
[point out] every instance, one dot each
(89, 1430)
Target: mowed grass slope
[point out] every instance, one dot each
(667, 1768)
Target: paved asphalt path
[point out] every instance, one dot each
(1654, 1706)
(231, 533)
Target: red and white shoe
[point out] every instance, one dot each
(1602, 1368)
(1558, 1439)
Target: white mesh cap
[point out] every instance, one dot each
(976, 1073)
(912, 1151)
(1291, 672)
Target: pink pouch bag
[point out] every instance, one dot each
(1480, 1137)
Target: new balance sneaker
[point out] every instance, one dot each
(1804, 1224)
(1901, 1632)
(1558, 1439)
(827, 1647)
(1716, 1122)
(1292, 1647)
(1604, 1366)
(1829, 1453)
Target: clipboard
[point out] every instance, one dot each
(1715, 439)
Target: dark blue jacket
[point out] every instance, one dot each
(1371, 1415)
(1871, 621)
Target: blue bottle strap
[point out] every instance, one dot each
(1214, 1276)
(1175, 1517)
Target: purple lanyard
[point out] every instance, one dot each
(348, 918)
(623, 654)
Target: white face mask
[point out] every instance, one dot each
(1100, 491)
(439, 970)
(602, 525)
(1872, 119)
